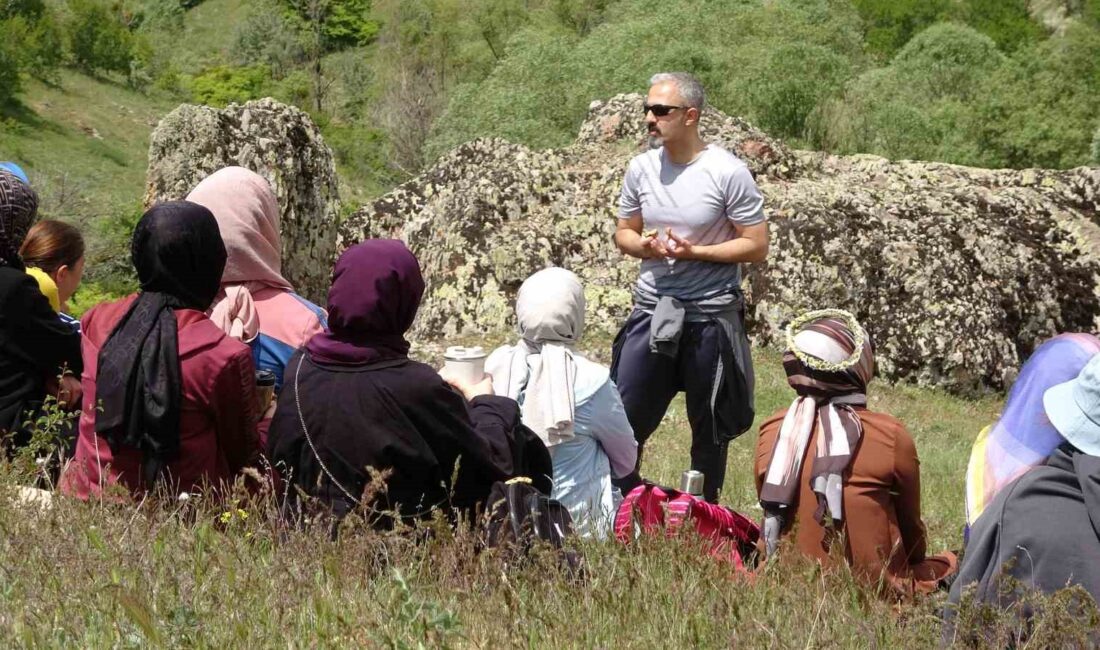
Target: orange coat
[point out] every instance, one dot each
(884, 536)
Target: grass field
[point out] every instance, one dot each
(209, 575)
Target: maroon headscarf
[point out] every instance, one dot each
(376, 290)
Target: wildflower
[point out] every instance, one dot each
(184, 496)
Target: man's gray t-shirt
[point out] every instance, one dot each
(701, 201)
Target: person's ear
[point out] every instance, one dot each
(62, 273)
(691, 116)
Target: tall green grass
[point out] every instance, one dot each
(203, 573)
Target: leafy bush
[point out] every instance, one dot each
(98, 40)
(267, 37)
(1007, 22)
(528, 100)
(1041, 108)
(222, 85)
(920, 105)
(889, 24)
(9, 64)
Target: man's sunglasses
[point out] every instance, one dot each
(660, 110)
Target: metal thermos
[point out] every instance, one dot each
(691, 482)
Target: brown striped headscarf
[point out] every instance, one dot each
(830, 376)
(18, 208)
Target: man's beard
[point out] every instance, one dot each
(655, 140)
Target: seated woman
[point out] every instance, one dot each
(355, 402)
(568, 401)
(168, 397)
(256, 304)
(1023, 437)
(53, 253)
(1042, 528)
(34, 344)
(828, 454)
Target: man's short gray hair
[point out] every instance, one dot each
(691, 91)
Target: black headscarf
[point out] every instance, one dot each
(18, 208)
(179, 256)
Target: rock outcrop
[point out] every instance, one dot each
(279, 142)
(958, 273)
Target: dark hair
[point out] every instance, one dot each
(52, 244)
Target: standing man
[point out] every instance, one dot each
(692, 213)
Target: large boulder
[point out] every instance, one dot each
(279, 142)
(958, 273)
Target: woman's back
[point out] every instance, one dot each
(287, 322)
(881, 495)
(396, 416)
(217, 408)
(34, 345)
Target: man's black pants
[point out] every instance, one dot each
(648, 381)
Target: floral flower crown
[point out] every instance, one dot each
(796, 325)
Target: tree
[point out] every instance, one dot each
(98, 40)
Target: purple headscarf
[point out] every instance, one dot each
(1023, 436)
(376, 290)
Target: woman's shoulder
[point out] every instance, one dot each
(98, 322)
(286, 316)
(592, 378)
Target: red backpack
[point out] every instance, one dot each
(650, 508)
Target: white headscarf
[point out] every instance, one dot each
(541, 366)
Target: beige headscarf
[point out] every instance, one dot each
(248, 217)
(541, 367)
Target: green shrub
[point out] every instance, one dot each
(267, 37)
(528, 100)
(98, 40)
(1041, 108)
(222, 85)
(920, 105)
(9, 64)
(1007, 22)
(795, 78)
(889, 24)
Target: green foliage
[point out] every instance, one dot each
(31, 44)
(99, 41)
(527, 100)
(919, 105)
(890, 24)
(222, 85)
(1007, 22)
(580, 16)
(793, 81)
(10, 62)
(1040, 109)
(340, 23)
(267, 36)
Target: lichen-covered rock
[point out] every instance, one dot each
(958, 273)
(279, 142)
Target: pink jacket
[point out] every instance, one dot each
(217, 415)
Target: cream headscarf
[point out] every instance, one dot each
(541, 367)
(248, 217)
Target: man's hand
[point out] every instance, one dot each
(678, 247)
(653, 247)
(632, 241)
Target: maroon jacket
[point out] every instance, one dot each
(217, 414)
